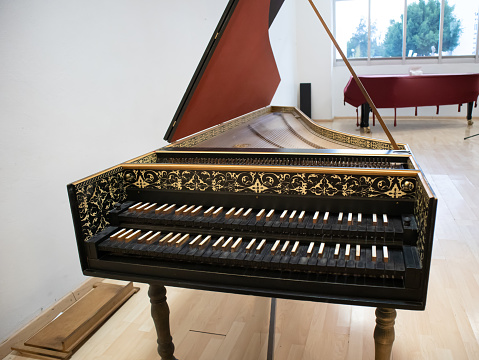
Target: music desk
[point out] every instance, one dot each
(400, 91)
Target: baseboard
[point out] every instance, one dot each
(47, 316)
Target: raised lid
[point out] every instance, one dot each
(237, 73)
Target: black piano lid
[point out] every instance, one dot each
(237, 72)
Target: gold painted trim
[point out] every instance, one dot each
(112, 168)
(314, 124)
(97, 174)
(258, 112)
(424, 182)
(360, 153)
(414, 163)
(141, 156)
(281, 169)
(268, 110)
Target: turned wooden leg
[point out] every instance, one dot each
(384, 333)
(161, 317)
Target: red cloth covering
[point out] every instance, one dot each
(399, 91)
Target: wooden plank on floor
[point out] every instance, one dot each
(59, 338)
(38, 353)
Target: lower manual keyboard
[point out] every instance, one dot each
(324, 257)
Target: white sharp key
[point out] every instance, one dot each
(230, 213)
(385, 254)
(188, 210)
(237, 244)
(336, 251)
(204, 243)
(260, 214)
(173, 240)
(182, 240)
(321, 250)
(385, 220)
(292, 215)
(218, 242)
(153, 238)
(247, 212)
(133, 236)
(375, 219)
(118, 233)
(260, 247)
(196, 210)
(310, 249)
(124, 235)
(340, 218)
(360, 218)
(301, 216)
(238, 213)
(270, 214)
(315, 217)
(250, 245)
(145, 236)
(347, 252)
(326, 217)
(275, 247)
(165, 238)
(209, 211)
(373, 253)
(193, 243)
(217, 211)
(358, 252)
(142, 206)
(350, 219)
(285, 247)
(150, 207)
(133, 207)
(226, 246)
(180, 209)
(161, 209)
(295, 248)
(169, 209)
(283, 215)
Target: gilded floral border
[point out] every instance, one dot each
(329, 185)
(219, 129)
(147, 159)
(344, 138)
(421, 212)
(354, 141)
(95, 197)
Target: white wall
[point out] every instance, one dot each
(85, 85)
(314, 59)
(282, 35)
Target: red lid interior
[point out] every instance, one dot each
(240, 76)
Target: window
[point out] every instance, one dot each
(353, 37)
(379, 29)
(386, 28)
(422, 29)
(467, 38)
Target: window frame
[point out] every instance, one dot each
(407, 59)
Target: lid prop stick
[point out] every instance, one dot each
(360, 84)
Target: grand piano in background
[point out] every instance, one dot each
(256, 199)
(401, 91)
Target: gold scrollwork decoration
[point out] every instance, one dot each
(329, 185)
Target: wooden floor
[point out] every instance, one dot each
(208, 326)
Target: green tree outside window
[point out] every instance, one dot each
(422, 37)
